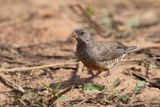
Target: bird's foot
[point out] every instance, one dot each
(94, 73)
(107, 74)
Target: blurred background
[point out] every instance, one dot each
(37, 32)
(25, 22)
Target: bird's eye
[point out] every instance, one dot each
(79, 32)
(119, 47)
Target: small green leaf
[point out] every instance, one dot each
(92, 88)
(89, 11)
(54, 90)
(152, 66)
(124, 97)
(116, 83)
(134, 23)
(63, 99)
(107, 19)
(139, 87)
(46, 86)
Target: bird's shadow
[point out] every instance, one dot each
(75, 80)
(156, 82)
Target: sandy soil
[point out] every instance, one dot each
(36, 32)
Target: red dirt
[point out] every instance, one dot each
(50, 21)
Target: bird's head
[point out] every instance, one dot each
(82, 35)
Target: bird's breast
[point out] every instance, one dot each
(84, 55)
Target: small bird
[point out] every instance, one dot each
(97, 55)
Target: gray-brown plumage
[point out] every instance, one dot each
(98, 56)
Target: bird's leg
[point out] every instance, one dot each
(90, 71)
(80, 67)
(94, 74)
(107, 74)
(99, 72)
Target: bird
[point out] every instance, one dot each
(99, 56)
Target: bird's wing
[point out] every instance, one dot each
(106, 51)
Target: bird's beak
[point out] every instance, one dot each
(74, 35)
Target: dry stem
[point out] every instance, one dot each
(11, 84)
(38, 67)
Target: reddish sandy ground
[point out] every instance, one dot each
(36, 32)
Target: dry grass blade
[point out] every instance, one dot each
(38, 67)
(141, 104)
(11, 84)
(52, 101)
(146, 79)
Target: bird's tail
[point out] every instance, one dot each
(132, 49)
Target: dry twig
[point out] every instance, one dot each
(139, 104)
(38, 67)
(80, 103)
(11, 84)
(146, 79)
(146, 63)
(52, 101)
(132, 104)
